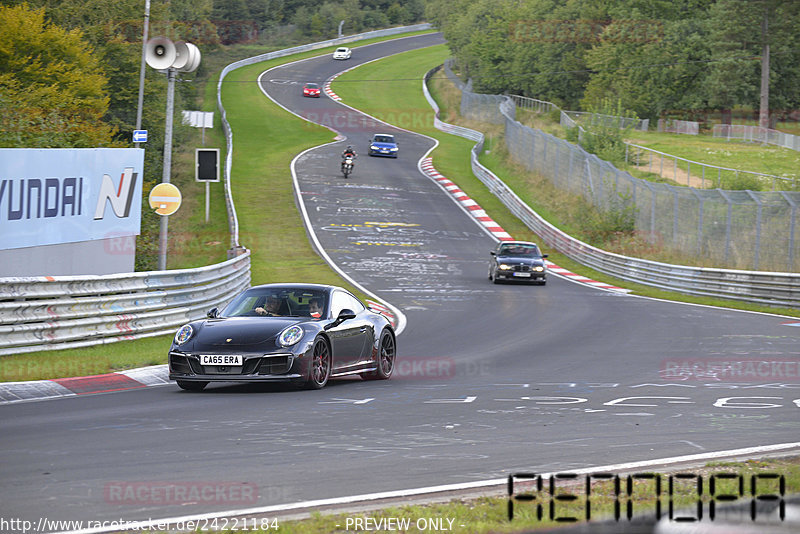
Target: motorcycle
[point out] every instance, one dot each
(347, 166)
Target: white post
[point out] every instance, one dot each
(141, 68)
(166, 175)
(208, 199)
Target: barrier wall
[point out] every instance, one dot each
(59, 312)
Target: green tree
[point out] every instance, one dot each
(52, 87)
(397, 14)
(738, 37)
(664, 74)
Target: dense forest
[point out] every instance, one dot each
(673, 58)
(69, 68)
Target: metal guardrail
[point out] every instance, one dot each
(771, 288)
(59, 312)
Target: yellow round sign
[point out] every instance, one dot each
(165, 199)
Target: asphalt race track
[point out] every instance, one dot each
(491, 379)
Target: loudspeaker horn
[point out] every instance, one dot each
(193, 59)
(160, 53)
(181, 55)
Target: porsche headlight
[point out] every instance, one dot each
(504, 267)
(290, 336)
(183, 334)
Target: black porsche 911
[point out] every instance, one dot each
(517, 261)
(306, 333)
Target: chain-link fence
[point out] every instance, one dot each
(678, 127)
(609, 121)
(684, 171)
(757, 134)
(732, 229)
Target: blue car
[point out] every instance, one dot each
(383, 145)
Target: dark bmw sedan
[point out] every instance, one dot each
(517, 261)
(305, 333)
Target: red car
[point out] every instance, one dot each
(311, 89)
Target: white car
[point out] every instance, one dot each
(342, 53)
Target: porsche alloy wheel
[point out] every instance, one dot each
(191, 386)
(320, 369)
(386, 357)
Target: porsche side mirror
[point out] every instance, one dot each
(344, 315)
(493, 253)
(213, 313)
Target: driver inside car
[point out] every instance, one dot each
(271, 307)
(315, 308)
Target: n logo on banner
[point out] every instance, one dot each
(121, 198)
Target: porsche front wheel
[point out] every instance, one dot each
(320, 370)
(387, 352)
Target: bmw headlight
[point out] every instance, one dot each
(504, 267)
(290, 336)
(183, 334)
(538, 268)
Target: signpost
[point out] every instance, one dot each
(206, 170)
(140, 136)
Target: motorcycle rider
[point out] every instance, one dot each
(349, 152)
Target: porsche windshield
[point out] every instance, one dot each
(276, 302)
(520, 250)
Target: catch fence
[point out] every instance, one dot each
(757, 134)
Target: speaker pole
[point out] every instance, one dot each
(141, 68)
(166, 176)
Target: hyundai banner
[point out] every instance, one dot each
(52, 196)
